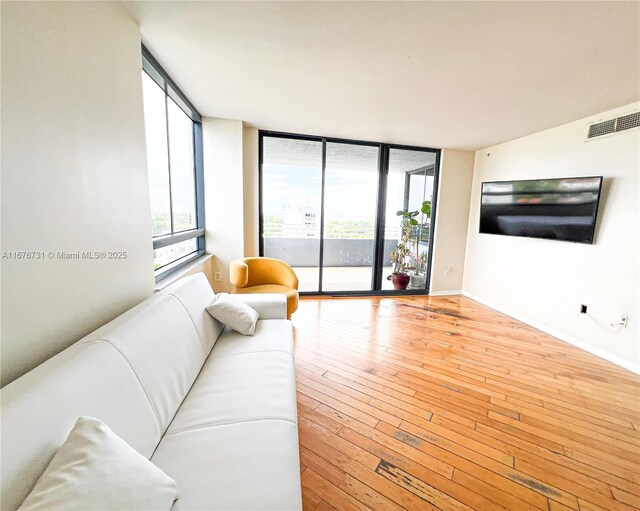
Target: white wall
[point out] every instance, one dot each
(251, 193)
(545, 281)
(456, 175)
(74, 174)
(223, 194)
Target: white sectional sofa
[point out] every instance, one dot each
(215, 410)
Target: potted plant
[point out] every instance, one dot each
(418, 277)
(399, 277)
(411, 232)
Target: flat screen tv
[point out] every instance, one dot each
(558, 209)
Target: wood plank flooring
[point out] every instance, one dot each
(420, 403)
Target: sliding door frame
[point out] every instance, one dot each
(383, 172)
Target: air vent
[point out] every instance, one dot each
(611, 126)
(628, 121)
(602, 128)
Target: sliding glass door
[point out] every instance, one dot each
(291, 191)
(329, 208)
(350, 212)
(410, 182)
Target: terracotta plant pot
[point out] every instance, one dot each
(400, 280)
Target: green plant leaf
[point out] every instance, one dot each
(414, 221)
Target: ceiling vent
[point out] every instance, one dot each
(626, 122)
(611, 126)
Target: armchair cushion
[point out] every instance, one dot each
(239, 273)
(265, 275)
(266, 270)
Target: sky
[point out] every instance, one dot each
(292, 176)
(349, 194)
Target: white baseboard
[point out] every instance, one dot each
(445, 293)
(614, 359)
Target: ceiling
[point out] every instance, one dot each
(461, 75)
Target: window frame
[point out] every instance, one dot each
(171, 91)
(383, 170)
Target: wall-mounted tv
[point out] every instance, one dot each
(558, 209)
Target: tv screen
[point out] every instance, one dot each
(558, 209)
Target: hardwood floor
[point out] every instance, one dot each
(423, 403)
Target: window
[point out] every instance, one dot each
(328, 207)
(174, 156)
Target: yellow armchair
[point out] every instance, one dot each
(265, 275)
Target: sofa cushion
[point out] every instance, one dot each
(241, 387)
(290, 293)
(160, 342)
(268, 305)
(242, 466)
(40, 408)
(273, 335)
(194, 293)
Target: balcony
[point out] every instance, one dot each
(348, 263)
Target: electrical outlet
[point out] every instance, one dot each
(217, 276)
(583, 309)
(624, 318)
(447, 270)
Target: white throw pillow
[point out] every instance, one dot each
(96, 469)
(235, 314)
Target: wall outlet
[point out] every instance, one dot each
(217, 276)
(583, 309)
(624, 318)
(447, 270)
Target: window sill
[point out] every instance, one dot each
(182, 272)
